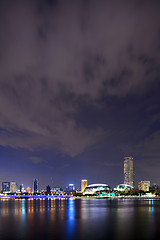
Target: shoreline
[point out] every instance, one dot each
(82, 197)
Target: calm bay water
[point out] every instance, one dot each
(79, 219)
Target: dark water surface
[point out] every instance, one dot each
(79, 219)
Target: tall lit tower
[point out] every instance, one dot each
(128, 171)
(83, 184)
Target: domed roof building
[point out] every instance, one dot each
(96, 188)
(123, 187)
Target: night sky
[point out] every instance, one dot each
(79, 90)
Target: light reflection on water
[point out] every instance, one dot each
(79, 219)
(71, 220)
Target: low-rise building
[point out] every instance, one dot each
(123, 188)
(94, 189)
(28, 189)
(57, 191)
(144, 186)
(154, 187)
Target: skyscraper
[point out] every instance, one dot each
(13, 187)
(48, 189)
(6, 187)
(83, 184)
(35, 186)
(21, 188)
(128, 171)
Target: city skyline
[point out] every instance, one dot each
(79, 119)
(129, 179)
(79, 91)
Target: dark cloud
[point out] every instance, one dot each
(36, 160)
(57, 56)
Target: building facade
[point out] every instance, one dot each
(28, 189)
(83, 185)
(6, 187)
(154, 187)
(123, 188)
(48, 189)
(35, 186)
(13, 187)
(57, 191)
(70, 189)
(96, 189)
(144, 186)
(128, 171)
(21, 188)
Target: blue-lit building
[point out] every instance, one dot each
(35, 186)
(6, 187)
(21, 188)
(70, 188)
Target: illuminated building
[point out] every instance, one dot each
(144, 186)
(83, 185)
(21, 188)
(128, 171)
(154, 187)
(70, 189)
(57, 191)
(6, 187)
(35, 186)
(123, 188)
(13, 187)
(93, 189)
(28, 189)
